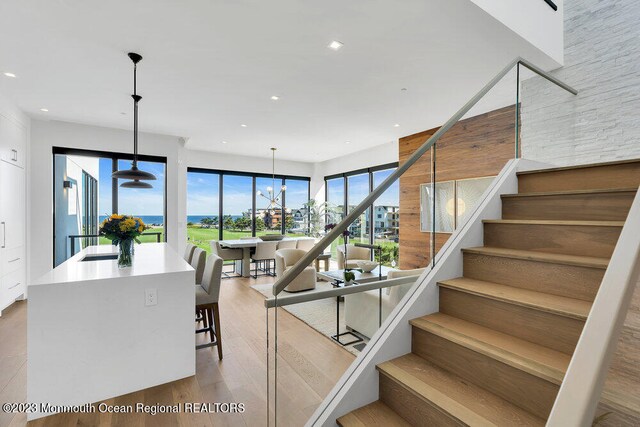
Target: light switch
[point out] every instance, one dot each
(150, 297)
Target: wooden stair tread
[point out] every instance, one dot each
(587, 166)
(570, 192)
(581, 261)
(555, 222)
(371, 415)
(534, 359)
(468, 403)
(569, 307)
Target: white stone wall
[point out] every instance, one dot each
(602, 61)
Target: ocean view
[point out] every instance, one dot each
(159, 219)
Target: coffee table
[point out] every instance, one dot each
(336, 277)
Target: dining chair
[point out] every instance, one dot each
(305, 244)
(264, 254)
(198, 261)
(227, 254)
(287, 244)
(207, 296)
(188, 252)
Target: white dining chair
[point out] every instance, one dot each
(305, 244)
(188, 252)
(287, 244)
(227, 254)
(264, 255)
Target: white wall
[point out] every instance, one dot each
(375, 156)
(48, 134)
(602, 61)
(533, 20)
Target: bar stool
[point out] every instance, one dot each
(198, 261)
(265, 253)
(207, 295)
(188, 252)
(227, 254)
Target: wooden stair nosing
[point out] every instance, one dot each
(539, 361)
(436, 397)
(553, 258)
(587, 166)
(562, 306)
(378, 411)
(570, 192)
(618, 224)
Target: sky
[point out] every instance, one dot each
(132, 201)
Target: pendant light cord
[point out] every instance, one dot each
(135, 115)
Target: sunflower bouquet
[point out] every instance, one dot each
(118, 228)
(123, 230)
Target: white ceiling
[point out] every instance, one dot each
(211, 65)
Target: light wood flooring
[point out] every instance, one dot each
(309, 365)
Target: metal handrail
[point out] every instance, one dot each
(297, 268)
(338, 292)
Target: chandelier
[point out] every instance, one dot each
(271, 196)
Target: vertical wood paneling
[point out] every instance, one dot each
(475, 147)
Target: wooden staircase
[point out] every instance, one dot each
(497, 351)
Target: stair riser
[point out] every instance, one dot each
(411, 407)
(594, 241)
(577, 207)
(516, 386)
(523, 322)
(626, 175)
(556, 279)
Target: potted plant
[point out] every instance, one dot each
(123, 230)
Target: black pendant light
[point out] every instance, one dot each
(135, 174)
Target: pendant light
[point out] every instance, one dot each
(134, 174)
(273, 197)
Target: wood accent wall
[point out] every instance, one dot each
(475, 147)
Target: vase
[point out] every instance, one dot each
(125, 253)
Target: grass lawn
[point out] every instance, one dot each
(201, 236)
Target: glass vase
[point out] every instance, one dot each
(125, 253)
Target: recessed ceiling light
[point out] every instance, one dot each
(243, 125)
(347, 142)
(396, 125)
(224, 142)
(123, 113)
(45, 110)
(275, 97)
(335, 45)
(10, 75)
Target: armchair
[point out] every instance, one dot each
(285, 258)
(354, 254)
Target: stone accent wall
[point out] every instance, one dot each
(602, 61)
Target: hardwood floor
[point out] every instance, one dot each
(309, 364)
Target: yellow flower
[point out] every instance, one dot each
(127, 225)
(141, 228)
(116, 216)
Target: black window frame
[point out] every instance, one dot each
(253, 175)
(114, 156)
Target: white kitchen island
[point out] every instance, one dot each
(95, 331)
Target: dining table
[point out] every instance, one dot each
(246, 245)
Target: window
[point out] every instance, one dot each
(355, 186)
(203, 208)
(85, 194)
(227, 205)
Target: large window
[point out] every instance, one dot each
(379, 224)
(225, 205)
(85, 194)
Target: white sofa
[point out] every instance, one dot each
(361, 309)
(354, 254)
(306, 280)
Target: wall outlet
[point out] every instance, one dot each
(150, 297)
